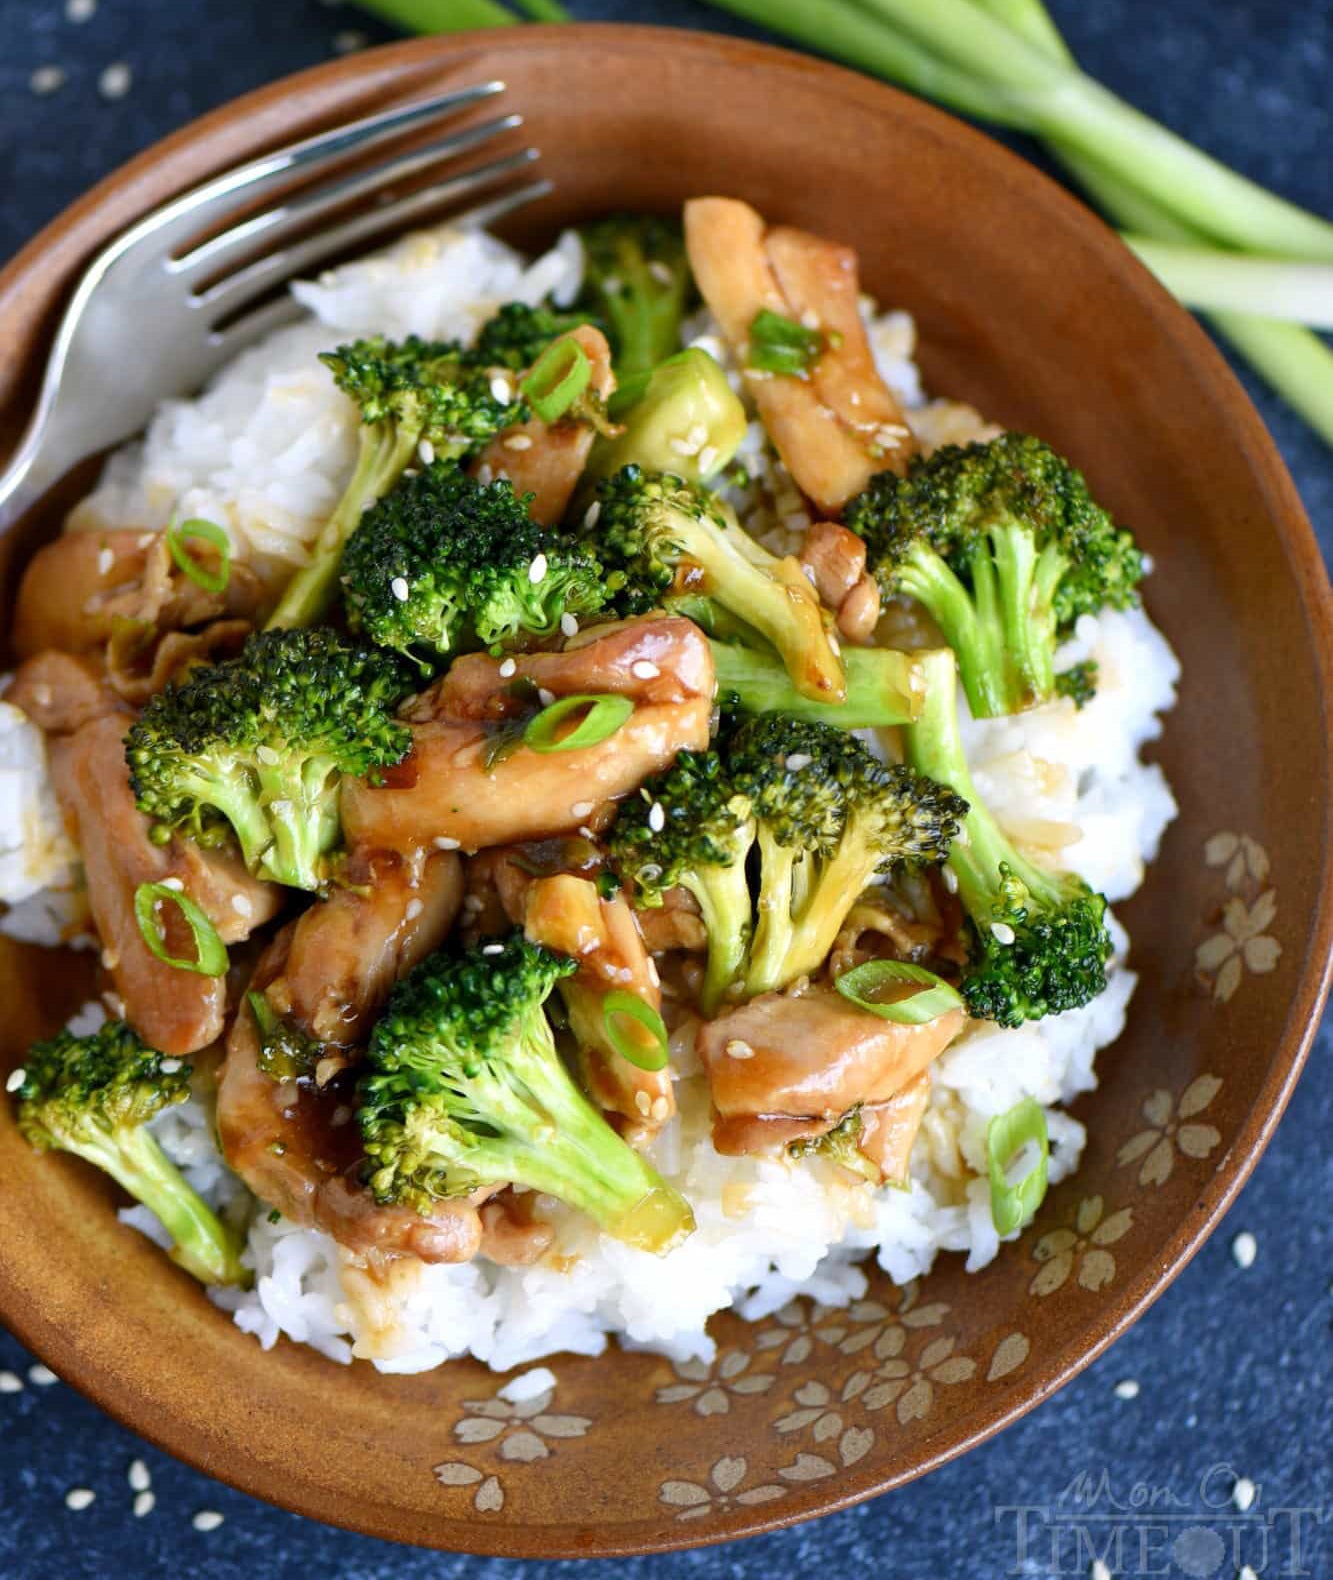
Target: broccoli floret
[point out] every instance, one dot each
(95, 1096)
(467, 1091)
(261, 741)
(518, 334)
(670, 537)
(681, 417)
(831, 819)
(691, 828)
(407, 392)
(804, 805)
(883, 686)
(1037, 939)
(444, 562)
(637, 282)
(1005, 547)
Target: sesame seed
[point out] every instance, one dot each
(174, 884)
(545, 697)
(138, 1476)
(493, 949)
(425, 452)
(241, 904)
(472, 903)
(266, 754)
(144, 1503)
(508, 668)
(47, 79)
(569, 625)
(443, 842)
(644, 669)
(810, 319)
(708, 458)
(105, 560)
(1002, 932)
(654, 975)
(587, 832)
(660, 1109)
(115, 1004)
(1244, 1493)
(501, 391)
(591, 514)
(736, 1049)
(399, 588)
(15, 1079)
(79, 1498)
(643, 1103)
(485, 474)
(170, 1066)
(349, 40)
(835, 644)
(580, 809)
(79, 10)
(1127, 1389)
(114, 83)
(684, 447)
(660, 272)
(1244, 1249)
(517, 441)
(537, 570)
(798, 760)
(10, 1383)
(951, 880)
(656, 817)
(206, 1520)
(413, 909)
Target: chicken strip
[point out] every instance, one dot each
(347, 951)
(835, 561)
(812, 1057)
(469, 782)
(566, 913)
(839, 425)
(546, 460)
(889, 1129)
(295, 1142)
(174, 1010)
(61, 693)
(80, 587)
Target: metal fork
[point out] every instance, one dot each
(150, 320)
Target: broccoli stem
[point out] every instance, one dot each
(385, 449)
(882, 686)
(301, 805)
(773, 596)
(723, 896)
(934, 747)
(232, 793)
(201, 1243)
(574, 1154)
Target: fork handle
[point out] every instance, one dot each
(40, 460)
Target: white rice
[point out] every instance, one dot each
(266, 451)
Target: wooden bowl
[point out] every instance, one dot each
(1032, 310)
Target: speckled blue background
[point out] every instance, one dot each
(1233, 1365)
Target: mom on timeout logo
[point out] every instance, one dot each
(1220, 1528)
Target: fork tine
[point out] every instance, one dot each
(288, 262)
(310, 205)
(177, 221)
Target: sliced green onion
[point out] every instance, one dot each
(781, 345)
(627, 1045)
(936, 997)
(207, 532)
(556, 379)
(1008, 1134)
(606, 713)
(210, 952)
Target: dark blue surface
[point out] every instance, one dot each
(1233, 1365)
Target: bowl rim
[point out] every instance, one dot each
(1309, 576)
